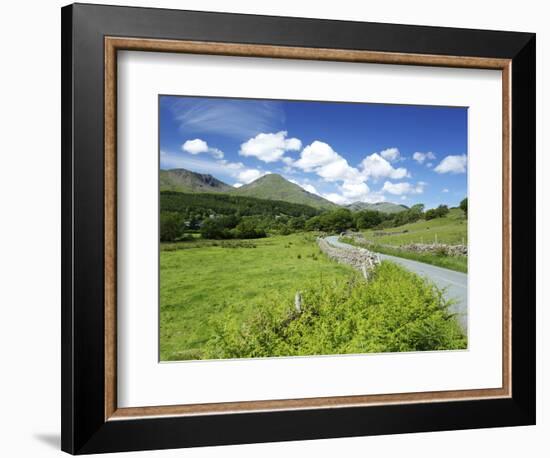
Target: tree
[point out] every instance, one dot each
(441, 211)
(438, 212)
(313, 224)
(430, 214)
(171, 226)
(247, 229)
(298, 223)
(218, 228)
(464, 205)
(337, 220)
(367, 219)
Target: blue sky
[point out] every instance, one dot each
(345, 152)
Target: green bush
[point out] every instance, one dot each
(219, 228)
(464, 205)
(171, 226)
(395, 311)
(247, 229)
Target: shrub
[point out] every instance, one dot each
(396, 311)
(171, 226)
(218, 228)
(247, 229)
(464, 205)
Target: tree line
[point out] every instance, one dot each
(227, 217)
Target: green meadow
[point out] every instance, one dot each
(201, 279)
(451, 229)
(235, 299)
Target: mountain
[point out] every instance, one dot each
(182, 180)
(275, 187)
(383, 207)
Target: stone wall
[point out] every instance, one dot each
(359, 258)
(438, 248)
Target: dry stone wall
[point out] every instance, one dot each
(359, 258)
(436, 248)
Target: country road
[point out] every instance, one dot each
(454, 283)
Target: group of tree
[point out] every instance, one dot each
(226, 217)
(202, 205)
(438, 212)
(343, 219)
(231, 227)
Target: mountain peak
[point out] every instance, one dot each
(271, 177)
(273, 186)
(183, 180)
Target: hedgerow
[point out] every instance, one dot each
(395, 311)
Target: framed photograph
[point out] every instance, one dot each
(282, 228)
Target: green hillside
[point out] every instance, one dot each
(182, 180)
(206, 204)
(275, 187)
(451, 229)
(383, 207)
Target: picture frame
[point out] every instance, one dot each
(92, 35)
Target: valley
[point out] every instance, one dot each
(233, 262)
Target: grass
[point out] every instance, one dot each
(458, 263)
(200, 280)
(451, 229)
(395, 311)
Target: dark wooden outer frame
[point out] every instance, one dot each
(115, 44)
(90, 421)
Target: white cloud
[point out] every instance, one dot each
(336, 198)
(421, 157)
(237, 185)
(319, 157)
(445, 190)
(316, 155)
(198, 146)
(288, 161)
(250, 175)
(310, 188)
(270, 147)
(452, 164)
(355, 190)
(403, 188)
(306, 186)
(195, 146)
(339, 170)
(375, 166)
(390, 154)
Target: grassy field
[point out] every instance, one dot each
(394, 311)
(458, 263)
(451, 229)
(200, 280)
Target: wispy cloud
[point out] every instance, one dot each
(421, 157)
(240, 119)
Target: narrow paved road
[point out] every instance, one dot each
(454, 283)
